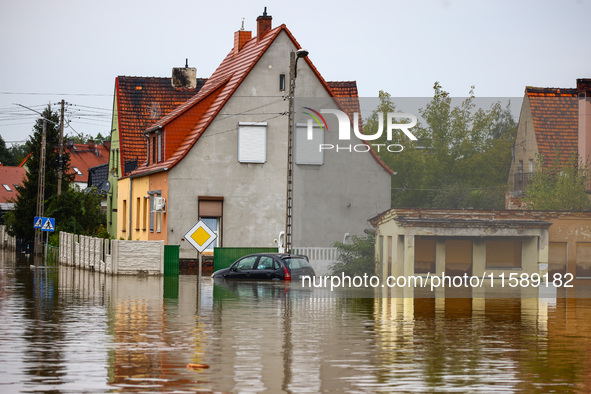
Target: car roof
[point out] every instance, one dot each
(278, 255)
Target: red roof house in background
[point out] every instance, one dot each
(10, 178)
(85, 156)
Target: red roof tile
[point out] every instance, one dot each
(555, 120)
(10, 176)
(83, 157)
(141, 101)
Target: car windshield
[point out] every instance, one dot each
(297, 262)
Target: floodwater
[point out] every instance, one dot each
(65, 330)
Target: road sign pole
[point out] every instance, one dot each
(199, 294)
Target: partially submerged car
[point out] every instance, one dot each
(274, 266)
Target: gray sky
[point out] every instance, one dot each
(73, 50)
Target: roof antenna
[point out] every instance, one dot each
(186, 62)
(242, 28)
(265, 12)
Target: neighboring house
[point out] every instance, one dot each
(98, 178)
(553, 123)
(138, 103)
(83, 157)
(413, 241)
(10, 178)
(221, 157)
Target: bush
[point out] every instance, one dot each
(357, 258)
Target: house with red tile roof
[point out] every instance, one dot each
(138, 103)
(222, 155)
(83, 157)
(10, 179)
(554, 122)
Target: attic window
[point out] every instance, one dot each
(7, 187)
(77, 171)
(282, 82)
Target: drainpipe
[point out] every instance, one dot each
(130, 204)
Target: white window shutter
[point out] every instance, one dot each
(252, 143)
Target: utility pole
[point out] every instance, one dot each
(293, 74)
(289, 202)
(61, 151)
(41, 190)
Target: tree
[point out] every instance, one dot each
(462, 156)
(559, 186)
(20, 220)
(77, 212)
(357, 258)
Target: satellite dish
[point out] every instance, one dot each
(106, 186)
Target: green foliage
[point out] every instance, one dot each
(11, 156)
(357, 258)
(77, 212)
(558, 187)
(20, 220)
(461, 159)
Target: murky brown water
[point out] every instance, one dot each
(75, 331)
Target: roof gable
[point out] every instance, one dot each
(220, 87)
(555, 121)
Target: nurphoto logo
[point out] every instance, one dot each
(344, 126)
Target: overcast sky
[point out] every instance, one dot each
(73, 50)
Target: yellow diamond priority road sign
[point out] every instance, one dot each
(200, 236)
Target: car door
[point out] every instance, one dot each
(264, 268)
(242, 268)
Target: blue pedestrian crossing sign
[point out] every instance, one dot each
(38, 222)
(48, 224)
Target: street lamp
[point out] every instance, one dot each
(293, 73)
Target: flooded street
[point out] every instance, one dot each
(66, 330)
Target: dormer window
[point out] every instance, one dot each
(154, 146)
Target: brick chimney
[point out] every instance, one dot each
(241, 37)
(584, 95)
(264, 24)
(184, 77)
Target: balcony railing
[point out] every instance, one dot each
(521, 180)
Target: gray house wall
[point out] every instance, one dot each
(329, 200)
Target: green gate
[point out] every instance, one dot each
(224, 257)
(171, 260)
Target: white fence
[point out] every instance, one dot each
(6, 241)
(113, 257)
(320, 258)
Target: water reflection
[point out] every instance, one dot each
(73, 330)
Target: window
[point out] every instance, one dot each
(282, 82)
(308, 139)
(146, 208)
(159, 137)
(265, 263)
(504, 253)
(137, 214)
(124, 221)
(155, 216)
(77, 171)
(210, 210)
(7, 187)
(520, 166)
(252, 142)
(245, 264)
(531, 165)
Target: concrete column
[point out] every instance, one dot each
(409, 255)
(478, 257)
(439, 256)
